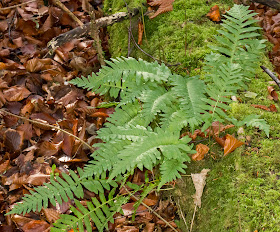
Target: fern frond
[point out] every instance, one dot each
(124, 76)
(99, 212)
(58, 190)
(170, 169)
(155, 101)
(149, 151)
(132, 133)
(190, 93)
(128, 114)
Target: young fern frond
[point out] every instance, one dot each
(99, 212)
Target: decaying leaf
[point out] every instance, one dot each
(16, 93)
(231, 144)
(140, 32)
(163, 6)
(271, 108)
(214, 14)
(13, 139)
(272, 93)
(201, 151)
(199, 183)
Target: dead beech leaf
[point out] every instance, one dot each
(273, 108)
(272, 93)
(48, 149)
(140, 32)
(199, 183)
(220, 141)
(51, 214)
(163, 6)
(37, 179)
(35, 226)
(4, 166)
(261, 107)
(231, 144)
(13, 139)
(16, 93)
(201, 150)
(214, 14)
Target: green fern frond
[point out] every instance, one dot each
(128, 114)
(155, 101)
(59, 190)
(149, 151)
(132, 133)
(123, 76)
(99, 212)
(170, 169)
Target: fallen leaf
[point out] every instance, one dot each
(51, 214)
(272, 93)
(231, 144)
(16, 93)
(199, 183)
(261, 107)
(273, 108)
(140, 32)
(4, 166)
(201, 150)
(35, 226)
(220, 141)
(214, 14)
(163, 6)
(250, 94)
(13, 139)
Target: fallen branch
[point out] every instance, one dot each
(271, 3)
(277, 81)
(81, 31)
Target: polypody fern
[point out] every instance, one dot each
(144, 131)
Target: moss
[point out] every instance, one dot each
(181, 36)
(242, 191)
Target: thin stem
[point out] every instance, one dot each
(193, 217)
(50, 126)
(15, 6)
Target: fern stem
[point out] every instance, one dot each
(149, 208)
(50, 126)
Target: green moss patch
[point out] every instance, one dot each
(242, 191)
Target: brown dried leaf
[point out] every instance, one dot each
(214, 14)
(163, 6)
(220, 141)
(13, 139)
(51, 214)
(48, 149)
(4, 166)
(35, 226)
(261, 107)
(37, 179)
(199, 183)
(272, 93)
(140, 32)
(231, 144)
(201, 150)
(16, 93)
(273, 108)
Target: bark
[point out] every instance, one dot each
(81, 31)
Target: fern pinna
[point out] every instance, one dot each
(144, 131)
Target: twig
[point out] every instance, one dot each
(50, 126)
(95, 35)
(148, 207)
(15, 6)
(277, 81)
(182, 216)
(193, 217)
(63, 7)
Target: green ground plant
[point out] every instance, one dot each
(154, 106)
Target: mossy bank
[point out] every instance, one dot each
(243, 189)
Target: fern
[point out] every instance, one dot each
(100, 212)
(58, 190)
(144, 131)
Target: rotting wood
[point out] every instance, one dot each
(82, 31)
(271, 3)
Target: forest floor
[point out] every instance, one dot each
(242, 190)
